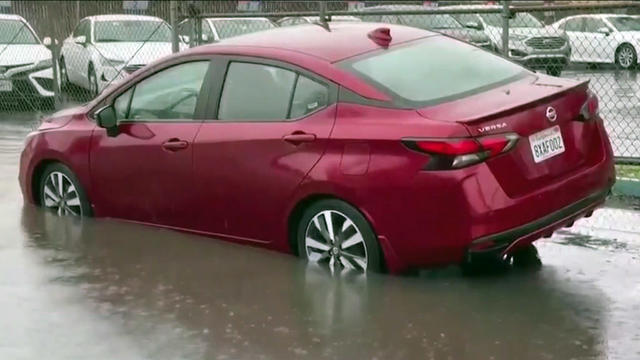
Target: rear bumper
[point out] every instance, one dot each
(507, 241)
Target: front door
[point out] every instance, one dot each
(271, 128)
(145, 173)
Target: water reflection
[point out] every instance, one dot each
(242, 302)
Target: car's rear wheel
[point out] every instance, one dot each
(335, 234)
(626, 56)
(60, 192)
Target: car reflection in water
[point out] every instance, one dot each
(207, 299)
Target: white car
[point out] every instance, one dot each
(216, 29)
(25, 64)
(106, 48)
(297, 20)
(603, 38)
(531, 43)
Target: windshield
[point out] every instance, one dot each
(520, 20)
(625, 23)
(132, 31)
(230, 28)
(419, 73)
(16, 32)
(430, 21)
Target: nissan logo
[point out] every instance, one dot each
(551, 114)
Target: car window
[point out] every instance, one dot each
(371, 18)
(81, 29)
(256, 92)
(417, 72)
(16, 32)
(519, 20)
(593, 25)
(207, 33)
(235, 27)
(625, 23)
(309, 97)
(288, 22)
(121, 104)
(184, 29)
(171, 94)
(575, 25)
(132, 31)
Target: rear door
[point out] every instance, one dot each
(145, 173)
(269, 126)
(574, 28)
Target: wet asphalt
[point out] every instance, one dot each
(103, 289)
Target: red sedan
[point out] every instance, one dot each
(362, 147)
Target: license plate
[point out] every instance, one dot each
(6, 85)
(546, 144)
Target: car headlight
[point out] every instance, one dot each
(111, 62)
(516, 37)
(43, 64)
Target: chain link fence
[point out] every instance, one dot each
(87, 46)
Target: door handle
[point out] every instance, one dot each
(175, 145)
(298, 138)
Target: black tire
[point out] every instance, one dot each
(554, 70)
(64, 75)
(626, 56)
(92, 77)
(373, 252)
(84, 205)
(527, 258)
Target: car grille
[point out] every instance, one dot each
(46, 84)
(132, 68)
(546, 43)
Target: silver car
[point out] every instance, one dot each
(531, 43)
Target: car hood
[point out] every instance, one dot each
(134, 52)
(22, 54)
(466, 34)
(532, 32)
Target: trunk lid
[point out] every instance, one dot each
(521, 107)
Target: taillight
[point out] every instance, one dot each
(589, 110)
(458, 153)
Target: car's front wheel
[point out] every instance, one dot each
(335, 234)
(626, 56)
(60, 192)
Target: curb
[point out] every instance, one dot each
(627, 187)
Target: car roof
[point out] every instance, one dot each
(12, 17)
(599, 16)
(119, 17)
(345, 39)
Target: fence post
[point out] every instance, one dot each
(323, 12)
(506, 14)
(55, 55)
(173, 10)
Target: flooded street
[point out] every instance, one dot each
(104, 289)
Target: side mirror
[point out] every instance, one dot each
(106, 118)
(46, 41)
(473, 25)
(80, 40)
(604, 30)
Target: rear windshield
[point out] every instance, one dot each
(433, 70)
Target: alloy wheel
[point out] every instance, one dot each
(625, 57)
(332, 238)
(60, 195)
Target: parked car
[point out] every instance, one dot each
(298, 20)
(216, 29)
(442, 23)
(603, 38)
(531, 43)
(361, 148)
(26, 74)
(106, 48)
